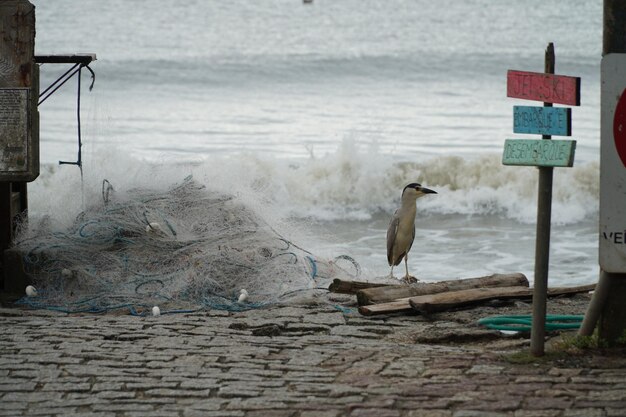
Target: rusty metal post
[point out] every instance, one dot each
(612, 307)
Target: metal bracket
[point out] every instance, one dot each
(80, 61)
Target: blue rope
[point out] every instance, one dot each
(313, 267)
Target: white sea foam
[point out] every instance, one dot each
(353, 183)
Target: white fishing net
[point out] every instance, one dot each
(183, 249)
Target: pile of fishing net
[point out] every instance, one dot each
(184, 249)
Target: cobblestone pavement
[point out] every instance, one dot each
(297, 361)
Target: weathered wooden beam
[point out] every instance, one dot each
(404, 305)
(351, 287)
(445, 301)
(389, 293)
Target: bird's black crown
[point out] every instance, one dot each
(412, 185)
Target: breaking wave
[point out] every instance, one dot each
(355, 182)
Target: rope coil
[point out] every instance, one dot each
(523, 323)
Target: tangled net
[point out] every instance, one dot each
(185, 249)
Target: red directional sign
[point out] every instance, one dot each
(619, 127)
(548, 88)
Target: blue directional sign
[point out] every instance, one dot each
(542, 120)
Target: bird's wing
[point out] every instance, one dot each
(412, 240)
(391, 236)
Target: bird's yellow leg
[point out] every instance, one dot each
(407, 278)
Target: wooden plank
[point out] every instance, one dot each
(396, 306)
(404, 305)
(537, 120)
(539, 152)
(65, 59)
(549, 88)
(445, 301)
(352, 287)
(389, 293)
(440, 302)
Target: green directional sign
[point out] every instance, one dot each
(540, 152)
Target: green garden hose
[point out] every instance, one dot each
(524, 323)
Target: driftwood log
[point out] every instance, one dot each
(389, 293)
(445, 301)
(352, 287)
(455, 299)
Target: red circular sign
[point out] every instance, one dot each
(619, 127)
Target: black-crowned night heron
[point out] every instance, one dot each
(401, 232)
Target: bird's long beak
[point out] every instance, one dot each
(427, 190)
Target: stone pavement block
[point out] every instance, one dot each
(439, 373)
(199, 383)
(222, 413)
(43, 410)
(425, 403)
(429, 413)
(258, 403)
(547, 403)
(485, 369)
(12, 406)
(121, 407)
(114, 395)
(237, 392)
(329, 319)
(583, 403)
(66, 387)
(13, 386)
(474, 413)
(175, 393)
(499, 404)
(211, 404)
(307, 358)
(404, 367)
(374, 412)
(608, 395)
(153, 413)
(273, 413)
(31, 396)
(320, 413)
(356, 332)
(538, 413)
(11, 413)
(149, 383)
(585, 412)
(530, 389)
(569, 372)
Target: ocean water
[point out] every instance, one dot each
(319, 114)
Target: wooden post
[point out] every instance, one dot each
(542, 243)
(612, 325)
(19, 119)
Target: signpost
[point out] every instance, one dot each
(546, 87)
(541, 153)
(555, 121)
(544, 154)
